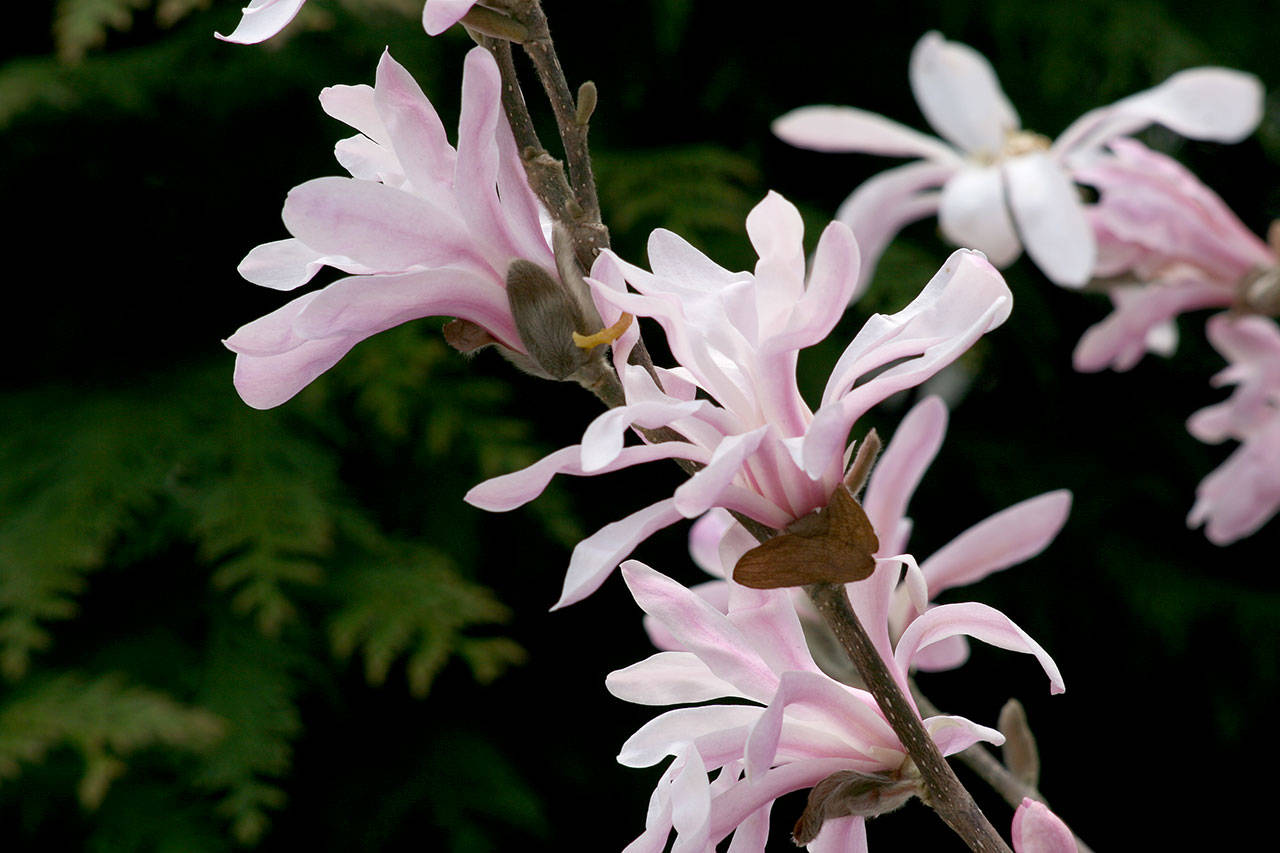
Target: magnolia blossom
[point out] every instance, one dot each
(798, 726)
(262, 19)
(1002, 188)
(1244, 492)
(734, 397)
(886, 606)
(423, 229)
(1038, 830)
(1169, 243)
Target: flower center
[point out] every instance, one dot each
(1019, 142)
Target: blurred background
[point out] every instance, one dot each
(227, 629)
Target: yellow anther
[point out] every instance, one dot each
(604, 336)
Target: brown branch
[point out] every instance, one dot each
(940, 788)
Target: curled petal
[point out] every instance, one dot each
(439, 15)
(509, 491)
(714, 725)
(954, 734)
(595, 557)
(1121, 339)
(289, 264)
(1217, 104)
(603, 438)
(960, 96)
(881, 207)
(262, 19)
(980, 622)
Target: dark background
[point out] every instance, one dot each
(138, 175)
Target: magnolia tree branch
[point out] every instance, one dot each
(574, 202)
(941, 789)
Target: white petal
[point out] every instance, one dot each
(960, 96)
(1051, 219)
(826, 128)
(973, 213)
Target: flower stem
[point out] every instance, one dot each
(940, 788)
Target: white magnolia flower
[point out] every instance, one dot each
(994, 186)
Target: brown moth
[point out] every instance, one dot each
(832, 545)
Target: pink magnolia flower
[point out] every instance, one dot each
(734, 396)
(886, 606)
(1002, 188)
(1172, 244)
(423, 229)
(1038, 830)
(262, 19)
(797, 728)
(1244, 492)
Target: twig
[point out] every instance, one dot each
(942, 790)
(980, 760)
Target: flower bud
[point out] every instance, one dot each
(849, 793)
(546, 316)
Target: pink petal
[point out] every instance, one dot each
(973, 212)
(261, 20)
(826, 128)
(383, 228)
(953, 734)
(439, 15)
(901, 466)
(736, 804)
(288, 264)
(1050, 219)
(960, 96)
(669, 678)
(691, 805)
(595, 557)
(704, 540)
(1217, 104)
(365, 305)
(769, 618)
(714, 592)
(980, 622)
(504, 493)
(1243, 493)
(1038, 830)
(665, 734)
(356, 106)
(962, 302)
(1005, 539)
(702, 630)
(603, 438)
(1121, 339)
(702, 491)
(753, 833)
(841, 835)
(881, 207)
(413, 127)
(478, 159)
(830, 706)
(832, 285)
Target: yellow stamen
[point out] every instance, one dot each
(604, 336)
